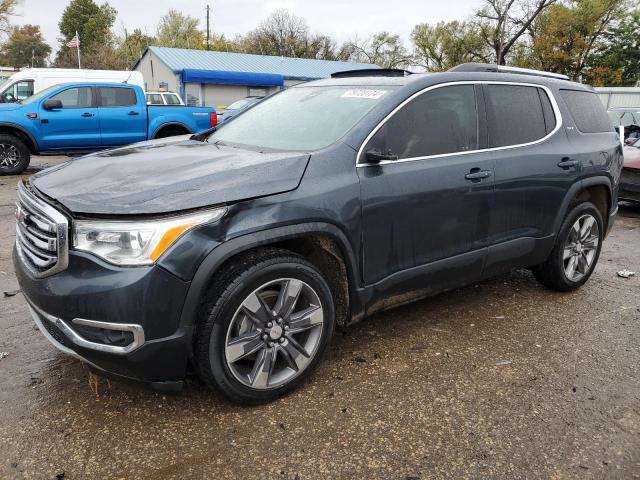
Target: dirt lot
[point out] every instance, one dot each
(499, 380)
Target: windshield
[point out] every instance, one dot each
(301, 118)
(39, 95)
(624, 117)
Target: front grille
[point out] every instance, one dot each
(41, 234)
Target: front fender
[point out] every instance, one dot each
(214, 260)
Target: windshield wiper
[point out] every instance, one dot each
(204, 135)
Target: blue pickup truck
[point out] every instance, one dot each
(81, 117)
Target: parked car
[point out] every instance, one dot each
(163, 98)
(237, 107)
(629, 118)
(239, 252)
(630, 179)
(78, 117)
(21, 85)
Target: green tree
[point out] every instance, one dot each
(616, 61)
(179, 31)
(93, 23)
(132, 45)
(26, 47)
(444, 45)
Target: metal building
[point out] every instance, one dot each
(219, 78)
(618, 97)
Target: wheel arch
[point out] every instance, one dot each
(171, 126)
(21, 133)
(323, 244)
(594, 189)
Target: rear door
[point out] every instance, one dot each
(428, 210)
(123, 119)
(534, 168)
(75, 125)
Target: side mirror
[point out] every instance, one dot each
(374, 155)
(52, 104)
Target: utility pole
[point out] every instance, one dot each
(208, 34)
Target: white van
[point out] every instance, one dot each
(23, 84)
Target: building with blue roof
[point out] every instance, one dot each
(220, 78)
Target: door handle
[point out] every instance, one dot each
(568, 163)
(87, 115)
(475, 175)
(133, 113)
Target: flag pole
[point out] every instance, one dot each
(78, 47)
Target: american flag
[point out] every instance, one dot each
(74, 42)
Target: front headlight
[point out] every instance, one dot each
(136, 242)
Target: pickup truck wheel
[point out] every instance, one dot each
(576, 252)
(270, 322)
(14, 155)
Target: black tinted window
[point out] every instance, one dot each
(587, 111)
(547, 111)
(514, 115)
(443, 120)
(75, 97)
(116, 97)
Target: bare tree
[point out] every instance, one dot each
(7, 9)
(382, 49)
(503, 22)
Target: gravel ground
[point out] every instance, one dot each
(503, 379)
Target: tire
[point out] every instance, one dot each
(14, 155)
(238, 369)
(572, 247)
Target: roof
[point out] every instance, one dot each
(179, 59)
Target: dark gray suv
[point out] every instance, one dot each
(238, 252)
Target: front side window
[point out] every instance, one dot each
(116, 96)
(440, 121)
(302, 118)
(79, 97)
(517, 114)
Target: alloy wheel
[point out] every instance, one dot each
(581, 247)
(274, 334)
(9, 156)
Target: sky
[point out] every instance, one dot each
(343, 20)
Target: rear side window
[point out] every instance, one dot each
(75, 97)
(116, 97)
(587, 111)
(439, 121)
(516, 114)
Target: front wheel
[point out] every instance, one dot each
(14, 155)
(271, 321)
(576, 252)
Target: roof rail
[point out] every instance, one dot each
(490, 67)
(372, 72)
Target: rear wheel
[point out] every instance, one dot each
(576, 252)
(268, 328)
(14, 155)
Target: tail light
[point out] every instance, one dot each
(213, 119)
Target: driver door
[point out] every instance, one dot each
(75, 126)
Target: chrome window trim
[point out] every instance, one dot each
(552, 99)
(61, 230)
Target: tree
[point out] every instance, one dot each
(503, 22)
(26, 47)
(131, 46)
(616, 61)
(382, 49)
(93, 23)
(445, 45)
(566, 35)
(179, 31)
(7, 8)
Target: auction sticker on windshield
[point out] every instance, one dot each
(364, 93)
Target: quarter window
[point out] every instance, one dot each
(517, 114)
(442, 120)
(79, 97)
(587, 111)
(116, 97)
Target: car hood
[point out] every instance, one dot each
(155, 178)
(8, 107)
